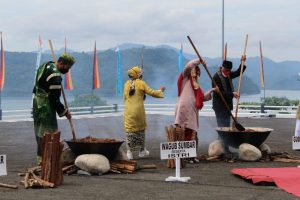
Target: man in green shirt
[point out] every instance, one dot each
(46, 100)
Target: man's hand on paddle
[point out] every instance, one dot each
(235, 94)
(215, 89)
(243, 58)
(68, 115)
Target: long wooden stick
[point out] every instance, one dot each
(149, 166)
(241, 77)
(63, 93)
(262, 76)
(8, 186)
(26, 180)
(237, 125)
(225, 51)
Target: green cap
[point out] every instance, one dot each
(67, 59)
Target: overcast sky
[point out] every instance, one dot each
(153, 22)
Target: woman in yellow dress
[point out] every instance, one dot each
(135, 124)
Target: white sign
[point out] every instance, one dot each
(3, 170)
(178, 149)
(296, 142)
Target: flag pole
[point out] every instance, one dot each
(119, 73)
(0, 89)
(0, 105)
(65, 44)
(223, 30)
(93, 87)
(1, 80)
(142, 57)
(117, 85)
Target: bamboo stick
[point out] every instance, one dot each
(26, 180)
(225, 51)
(149, 166)
(8, 186)
(66, 168)
(241, 78)
(42, 182)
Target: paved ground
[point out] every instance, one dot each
(210, 180)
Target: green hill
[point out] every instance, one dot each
(160, 68)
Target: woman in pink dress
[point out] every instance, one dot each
(190, 100)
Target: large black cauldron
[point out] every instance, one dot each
(252, 135)
(109, 149)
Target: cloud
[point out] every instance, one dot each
(155, 22)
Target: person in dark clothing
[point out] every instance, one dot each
(223, 78)
(46, 99)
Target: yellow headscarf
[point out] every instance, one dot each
(135, 72)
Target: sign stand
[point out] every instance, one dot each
(176, 150)
(296, 142)
(177, 177)
(3, 168)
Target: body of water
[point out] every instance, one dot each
(20, 103)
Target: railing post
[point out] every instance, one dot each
(92, 109)
(262, 108)
(115, 107)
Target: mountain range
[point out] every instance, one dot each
(160, 68)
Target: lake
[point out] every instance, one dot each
(19, 103)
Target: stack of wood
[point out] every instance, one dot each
(281, 157)
(51, 164)
(274, 156)
(128, 166)
(175, 134)
(31, 179)
(123, 166)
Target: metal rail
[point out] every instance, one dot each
(244, 111)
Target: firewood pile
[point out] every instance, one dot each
(96, 140)
(271, 157)
(51, 164)
(117, 167)
(174, 134)
(51, 168)
(32, 180)
(123, 166)
(280, 157)
(128, 166)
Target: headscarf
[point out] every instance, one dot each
(196, 87)
(135, 72)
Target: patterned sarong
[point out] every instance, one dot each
(135, 141)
